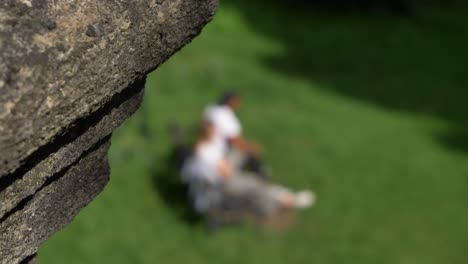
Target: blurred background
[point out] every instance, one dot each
(365, 102)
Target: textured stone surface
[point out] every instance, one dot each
(70, 73)
(71, 148)
(72, 188)
(60, 60)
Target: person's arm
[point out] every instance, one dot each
(240, 143)
(225, 168)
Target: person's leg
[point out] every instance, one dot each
(302, 199)
(255, 192)
(265, 197)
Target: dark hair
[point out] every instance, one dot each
(227, 96)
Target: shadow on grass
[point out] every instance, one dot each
(166, 182)
(457, 139)
(408, 63)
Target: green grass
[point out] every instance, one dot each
(368, 111)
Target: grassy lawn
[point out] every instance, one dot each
(369, 111)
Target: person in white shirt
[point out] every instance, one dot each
(227, 125)
(211, 176)
(203, 170)
(229, 129)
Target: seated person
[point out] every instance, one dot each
(228, 128)
(211, 176)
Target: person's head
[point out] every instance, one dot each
(230, 99)
(206, 130)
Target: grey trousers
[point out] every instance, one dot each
(259, 194)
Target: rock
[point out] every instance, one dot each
(94, 30)
(40, 216)
(48, 23)
(70, 73)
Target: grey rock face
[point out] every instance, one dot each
(70, 73)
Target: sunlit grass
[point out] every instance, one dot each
(388, 190)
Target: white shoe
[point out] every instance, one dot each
(304, 199)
